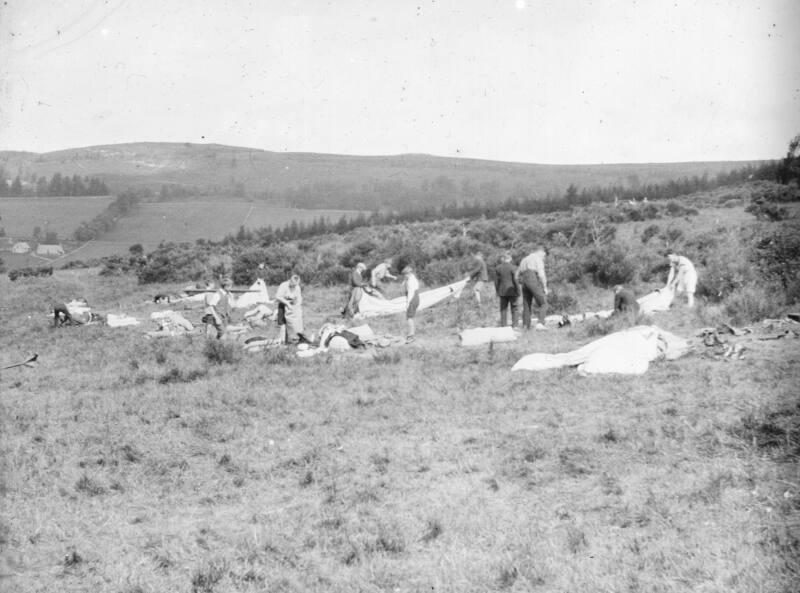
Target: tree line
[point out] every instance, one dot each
(57, 185)
(520, 201)
(107, 220)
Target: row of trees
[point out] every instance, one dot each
(107, 220)
(57, 185)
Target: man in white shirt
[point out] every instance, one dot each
(380, 272)
(218, 308)
(411, 286)
(290, 309)
(533, 280)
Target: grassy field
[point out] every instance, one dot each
(188, 221)
(146, 466)
(149, 224)
(61, 215)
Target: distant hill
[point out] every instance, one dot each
(327, 181)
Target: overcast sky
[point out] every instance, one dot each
(556, 81)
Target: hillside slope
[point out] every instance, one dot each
(312, 180)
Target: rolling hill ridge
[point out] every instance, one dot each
(312, 180)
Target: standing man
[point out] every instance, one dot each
(478, 275)
(357, 286)
(380, 272)
(290, 309)
(682, 276)
(411, 288)
(507, 289)
(217, 310)
(533, 279)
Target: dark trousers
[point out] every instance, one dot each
(505, 303)
(532, 289)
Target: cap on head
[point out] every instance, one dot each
(407, 269)
(361, 266)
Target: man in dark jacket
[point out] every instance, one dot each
(505, 284)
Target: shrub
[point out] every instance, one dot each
(561, 302)
(672, 236)
(753, 303)
(609, 265)
(333, 275)
(358, 253)
(650, 232)
(30, 273)
(777, 256)
(442, 272)
(674, 208)
(768, 212)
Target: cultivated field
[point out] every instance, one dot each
(153, 222)
(61, 215)
(149, 466)
(149, 224)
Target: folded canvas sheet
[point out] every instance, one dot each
(121, 320)
(370, 306)
(483, 335)
(626, 352)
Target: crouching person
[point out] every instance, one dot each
(625, 301)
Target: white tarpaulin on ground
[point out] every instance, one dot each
(626, 352)
(370, 306)
(247, 299)
(120, 320)
(257, 294)
(658, 300)
(484, 335)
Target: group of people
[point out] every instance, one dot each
(289, 314)
(528, 281)
(525, 283)
(359, 285)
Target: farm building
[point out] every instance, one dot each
(45, 249)
(21, 247)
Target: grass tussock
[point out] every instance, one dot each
(221, 352)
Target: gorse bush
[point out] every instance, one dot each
(30, 273)
(650, 232)
(754, 302)
(609, 265)
(776, 254)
